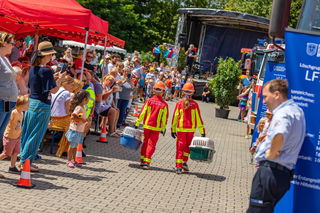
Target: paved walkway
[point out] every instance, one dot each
(112, 181)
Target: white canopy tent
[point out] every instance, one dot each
(99, 47)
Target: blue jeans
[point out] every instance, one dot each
(122, 106)
(5, 116)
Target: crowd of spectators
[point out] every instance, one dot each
(50, 85)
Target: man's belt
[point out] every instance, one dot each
(277, 166)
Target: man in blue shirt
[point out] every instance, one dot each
(278, 154)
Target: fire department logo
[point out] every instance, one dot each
(312, 49)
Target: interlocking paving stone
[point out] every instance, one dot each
(112, 181)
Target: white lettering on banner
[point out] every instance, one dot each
(303, 104)
(308, 158)
(318, 53)
(299, 92)
(309, 135)
(279, 68)
(307, 66)
(306, 182)
(312, 76)
(280, 76)
(301, 98)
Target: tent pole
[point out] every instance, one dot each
(84, 52)
(36, 40)
(105, 44)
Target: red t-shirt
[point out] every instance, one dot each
(78, 64)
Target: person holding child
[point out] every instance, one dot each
(11, 137)
(75, 134)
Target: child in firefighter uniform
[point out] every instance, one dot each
(186, 118)
(154, 115)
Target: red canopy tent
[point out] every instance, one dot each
(53, 14)
(60, 18)
(93, 38)
(116, 41)
(65, 19)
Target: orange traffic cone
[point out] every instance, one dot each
(136, 111)
(103, 136)
(25, 180)
(79, 154)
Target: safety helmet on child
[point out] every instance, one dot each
(159, 86)
(188, 88)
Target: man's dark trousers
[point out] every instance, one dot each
(268, 186)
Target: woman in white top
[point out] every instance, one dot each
(60, 110)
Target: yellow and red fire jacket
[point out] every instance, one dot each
(154, 114)
(187, 120)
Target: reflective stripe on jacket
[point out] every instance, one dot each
(154, 114)
(187, 120)
(92, 98)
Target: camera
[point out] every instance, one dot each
(62, 66)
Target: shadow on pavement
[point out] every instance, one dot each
(69, 175)
(45, 161)
(234, 119)
(152, 168)
(97, 169)
(44, 185)
(199, 175)
(112, 150)
(95, 159)
(39, 185)
(208, 176)
(39, 175)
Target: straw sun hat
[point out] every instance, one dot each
(46, 48)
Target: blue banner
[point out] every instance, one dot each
(303, 74)
(273, 71)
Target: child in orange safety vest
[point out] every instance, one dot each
(186, 118)
(154, 115)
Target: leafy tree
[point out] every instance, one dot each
(263, 8)
(254, 7)
(147, 56)
(295, 12)
(141, 23)
(147, 22)
(124, 23)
